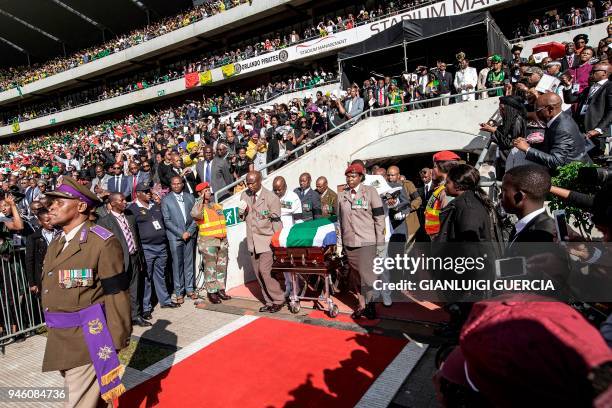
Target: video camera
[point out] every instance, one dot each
(596, 176)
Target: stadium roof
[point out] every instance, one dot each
(43, 29)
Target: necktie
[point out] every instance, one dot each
(117, 183)
(134, 182)
(127, 233)
(61, 244)
(207, 172)
(512, 234)
(353, 193)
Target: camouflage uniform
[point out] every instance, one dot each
(214, 256)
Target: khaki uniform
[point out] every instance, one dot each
(362, 224)
(99, 251)
(329, 202)
(263, 220)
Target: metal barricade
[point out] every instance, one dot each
(20, 310)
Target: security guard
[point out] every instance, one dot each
(443, 162)
(362, 224)
(85, 300)
(212, 242)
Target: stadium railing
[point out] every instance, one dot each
(20, 310)
(560, 30)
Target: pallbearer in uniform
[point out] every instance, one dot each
(362, 224)
(212, 242)
(261, 209)
(85, 300)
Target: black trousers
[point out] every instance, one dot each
(134, 268)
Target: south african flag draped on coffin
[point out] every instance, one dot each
(316, 233)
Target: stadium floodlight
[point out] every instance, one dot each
(78, 13)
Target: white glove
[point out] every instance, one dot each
(399, 216)
(242, 206)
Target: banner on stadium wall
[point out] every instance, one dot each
(228, 70)
(15, 127)
(343, 39)
(192, 79)
(205, 77)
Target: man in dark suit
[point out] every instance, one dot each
(594, 112)
(589, 12)
(524, 189)
(446, 82)
(123, 226)
(186, 175)
(204, 166)
(563, 142)
(180, 230)
(570, 60)
(164, 169)
(118, 182)
(136, 177)
(310, 199)
(221, 172)
(36, 249)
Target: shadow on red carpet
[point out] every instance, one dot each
(272, 363)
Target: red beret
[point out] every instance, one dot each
(445, 155)
(202, 186)
(542, 347)
(355, 168)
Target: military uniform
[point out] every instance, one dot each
(329, 201)
(362, 223)
(81, 269)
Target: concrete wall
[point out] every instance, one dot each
(452, 127)
(222, 22)
(595, 32)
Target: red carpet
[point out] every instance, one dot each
(272, 363)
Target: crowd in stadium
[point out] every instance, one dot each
(221, 103)
(555, 20)
(24, 75)
(158, 180)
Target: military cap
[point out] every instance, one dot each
(143, 187)
(71, 189)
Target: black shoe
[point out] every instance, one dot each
(19, 338)
(274, 308)
(370, 311)
(224, 296)
(147, 316)
(358, 314)
(264, 309)
(170, 306)
(139, 321)
(213, 298)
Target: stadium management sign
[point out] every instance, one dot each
(336, 41)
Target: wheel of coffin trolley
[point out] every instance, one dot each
(333, 311)
(294, 307)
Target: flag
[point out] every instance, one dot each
(228, 70)
(320, 232)
(192, 79)
(205, 77)
(15, 127)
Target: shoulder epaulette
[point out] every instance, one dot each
(101, 232)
